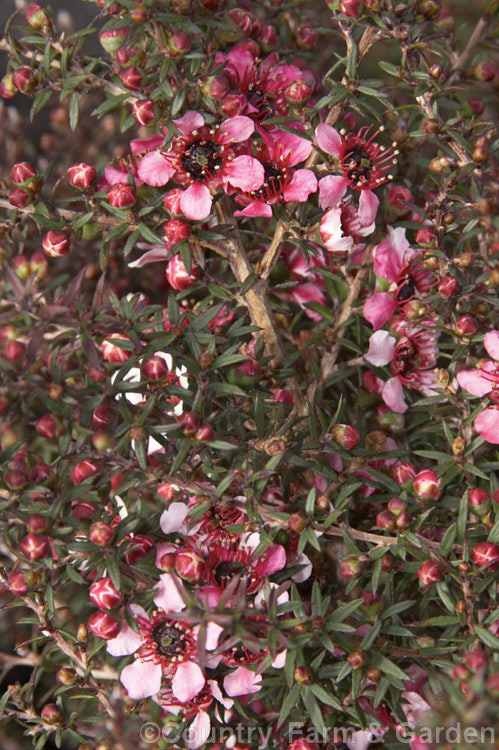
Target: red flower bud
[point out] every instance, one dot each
(18, 198)
(396, 506)
(404, 520)
(448, 286)
(268, 35)
(356, 659)
(40, 473)
(345, 436)
(430, 572)
(22, 172)
(466, 326)
(306, 36)
(176, 273)
(35, 546)
(24, 79)
(103, 594)
(189, 422)
(83, 511)
(103, 625)
(51, 714)
(18, 584)
(403, 473)
(176, 230)
(179, 44)
(112, 352)
(398, 198)
(189, 565)
(204, 434)
(37, 524)
(83, 470)
(385, 520)
(302, 744)
(38, 17)
(131, 78)
(82, 175)
(101, 416)
(483, 71)
(243, 19)
(49, 426)
(143, 111)
(101, 533)
(476, 105)
(426, 485)
(121, 195)
(7, 88)
(13, 351)
(56, 243)
(154, 368)
(138, 547)
(486, 554)
(297, 92)
(479, 501)
(349, 8)
(351, 567)
(233, 104)
(426, 237)
(476, 660)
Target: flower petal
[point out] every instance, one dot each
(381, 348)
(393, 395)
(141, 679)
(273, 559)
(188, 681)
(368, 207)
(491, 343)
(487, 425)
(172, 519)
(159, 252)
(189, 122)
(255, 208)
(379, 308)
(168, 596)
(245, 173)
(139, 145)
(328, 139)
(474, 382)
(236, 129)
(304, 183)
(242, 681)
(332, 188)
(199, 731)
(127, 641)
(195, 202)
(154, 169)
(212, 635)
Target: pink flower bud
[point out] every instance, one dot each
(243, 19)
(176, 230)
(189, 565)
(345, 436)
(56, 243)
(15, 479)
(212, 5)
(101, 533)
(121, 195)
(38, 17)
(447, 286)
(83, 511)
(204, 434)
(477, 106)
(131, 78)
(385, 521)
(83, 470)
(215, 86)
(306, 36)
(356, 659)
(154, 368)
(114, 353)
(39, 473)
(18, 198)
(268, 35)
(138, 547)
(179, 44)
(7, 88)
(396, 506)
(51, 714)
(426, 485)
(189, 422)
(82, 175)
(349, 8)
(426, 237)
(143, 111)
(22, 172)
(37, 524)
(403, 473)
(171, 201)
(430, 572)
(49, 426)
(24, 79)
(113, 40)
(177, 276)
(398, 198)
(404, 520)
(476, 660)
(465, 326)
(13, 351)
(35, 546)
(103, 625)
(18, 584)
(233, 104)
(479, 502)
(483, 71)
(101, 416)
(351, 567)
(297, 92)
(20, 264)
(103, 594)
(486, 554)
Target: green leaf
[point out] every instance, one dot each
(314, 710)
(386, 666)
(487, 637)
(448, 540)
(74, 111)
(289, 702)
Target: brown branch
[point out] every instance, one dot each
(471, 44)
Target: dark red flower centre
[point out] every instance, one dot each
(224, 571)
(168, 639)
(357, 166)
(202, 159)
(404, 360)
(276, 179)
(261, 102)
(405, 290)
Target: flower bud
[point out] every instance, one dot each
(448, 286)
(101, 533)
(13, 351)
(83, 470)
(138, 547)
(268, 35)
(24, 79)
(22, 172)
(385, 521)
(465, 326)
(306, 36)
(131, 78)
(204, 434)
(82, 175)
(303, 675)
(483, 71)
(83, 511)
(189, 565)
(112, 40)
(189, 422)
(477, 106)
(176, 229)
(345, 436)
(479, 502)
(398, 198)
(486, 555)
(171, 201)
(17, 583)
(154, 368)
(404, 520)
(103, 594)
(426, 485)
(18, 198)
(356, 659)
(114, 353)
(297, 92)
(493, 684)
(349, 8)
(430, 572)
(101, 416)
(351, 567)
(35, 546)
(7, 88)
(49, 426)
(476, 660)
(178, 44)
(51, 714)
(38, 17)
(396, 506)
(143, 111)
(139, 14)
(177, 276)
(65, 676)
(56, 243)
(37, 524)
(103, 625)
(121, 195)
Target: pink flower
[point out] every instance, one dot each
(342, 226)
(242, 681)
(279, 154)
(396, 262)
(484, 381)
(310, 284)
(257, 88)
(202, 159)
(412, 357)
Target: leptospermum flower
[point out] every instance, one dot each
(279, 154)
(396, 262)
(202, 159)
(342, 227)
(411, 356)
(310, 284)
(165, 647)
(363, 165)
(484, 381)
